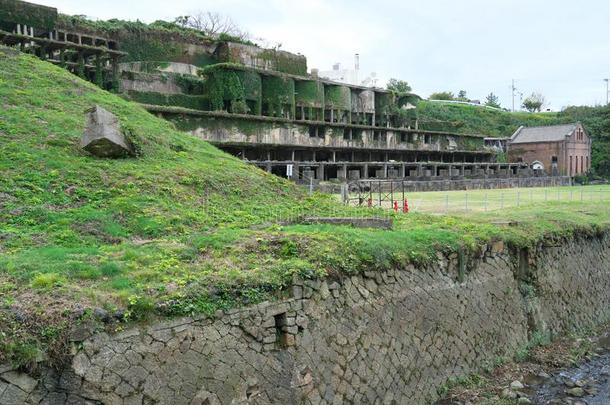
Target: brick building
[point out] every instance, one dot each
(558, 149)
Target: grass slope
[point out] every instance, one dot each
(183, 228)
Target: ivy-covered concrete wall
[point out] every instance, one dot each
(387, 337)
(261, 58)
(309, 93)
(241, 130)
(33, 15)
(338, 97)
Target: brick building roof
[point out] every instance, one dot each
(551, 133)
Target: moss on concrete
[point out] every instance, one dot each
(338, 97)
(309, 93)
(278, 96)
(33, 15)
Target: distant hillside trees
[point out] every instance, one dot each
(442, 95)
(492, 101)
(534, 102)
(462, 96)
(398, 86)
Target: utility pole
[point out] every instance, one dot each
(607, 91)
(513, 88)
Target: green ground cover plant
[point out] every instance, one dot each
(182, 228)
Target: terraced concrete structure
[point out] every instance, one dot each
(379, 337)
(262, 106)
(34, 29)
(322, 130)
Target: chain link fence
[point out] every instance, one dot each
(476, 200)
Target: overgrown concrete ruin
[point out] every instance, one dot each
(261, 104)
(317, 129)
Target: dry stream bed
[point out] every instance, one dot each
(570, 371)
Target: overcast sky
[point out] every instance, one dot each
(560, 48)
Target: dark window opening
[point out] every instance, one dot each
(403, 137)
(554, 159)
(376, 135)
(321, 132)
(357, 133)
(427, 139)
(312, 131)
(280, 330)
(347, 134)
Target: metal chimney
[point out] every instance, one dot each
(357, 61)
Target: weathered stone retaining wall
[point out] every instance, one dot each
(373, 338)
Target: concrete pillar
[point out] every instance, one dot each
(292, 155)
(314, 156)
(18, 29)
(402, 171)
(420, 170)
(243, 154)
(295, 171)
(365, 175)
(334, 156)
(462, 167)
(332, 115)
(268, 167)
(385, 171)
(268, 155)
(320, 173)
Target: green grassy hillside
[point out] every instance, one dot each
(183, 228)
(472, 119)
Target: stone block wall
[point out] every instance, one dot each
(377, 337)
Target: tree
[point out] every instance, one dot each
(462, 96)
(212, 24)
(534, 102)
(442, 95)
(398, 86)
(492, 100)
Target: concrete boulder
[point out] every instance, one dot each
(103, 136)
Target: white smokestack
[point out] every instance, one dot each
(357, 62)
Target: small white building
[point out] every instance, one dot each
(349, 76)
